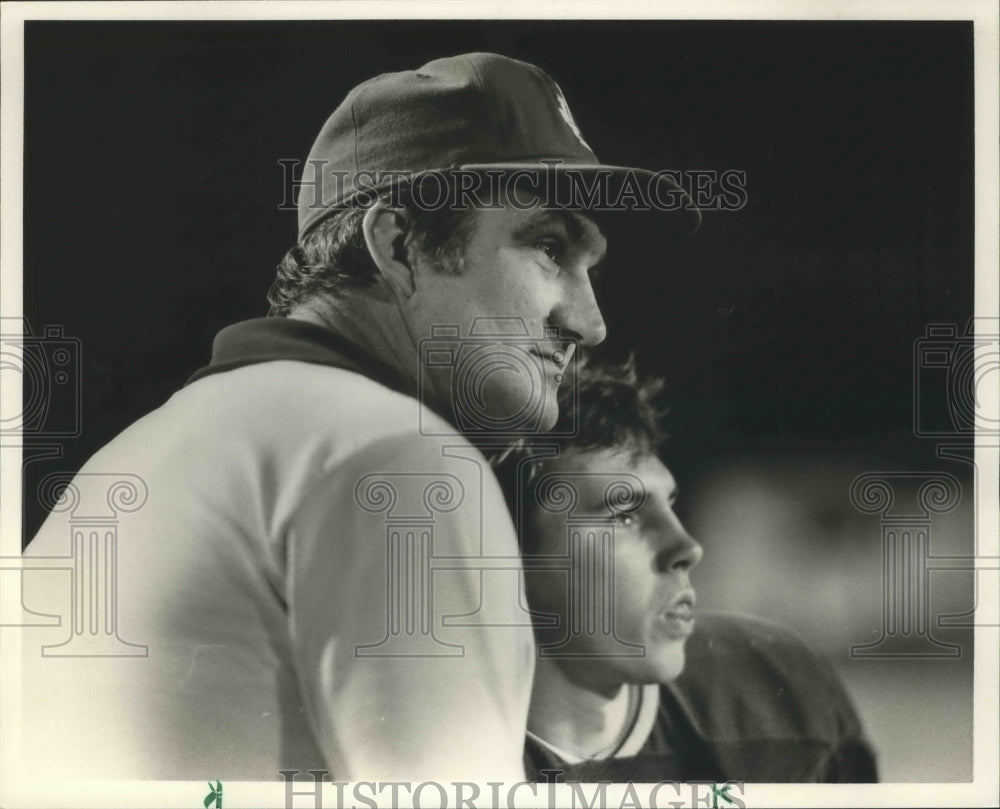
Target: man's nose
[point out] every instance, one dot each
(578, 312)
(680, 552)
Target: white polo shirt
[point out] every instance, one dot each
(303, 572)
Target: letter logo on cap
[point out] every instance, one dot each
(568, 116)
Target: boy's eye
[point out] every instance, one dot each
(624, 518)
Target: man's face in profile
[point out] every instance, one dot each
(521, 298)
(647, 564)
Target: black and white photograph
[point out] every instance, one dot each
(581, 406)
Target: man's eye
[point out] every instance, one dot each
(552, 248)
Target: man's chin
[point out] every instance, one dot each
(521, 409)
(548, 413)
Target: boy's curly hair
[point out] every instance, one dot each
(603, 407)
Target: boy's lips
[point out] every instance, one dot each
(678, 617)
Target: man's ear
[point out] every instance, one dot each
(385, 232)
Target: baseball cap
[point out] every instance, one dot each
(475, 112)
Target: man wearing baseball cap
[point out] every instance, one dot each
(308, 585)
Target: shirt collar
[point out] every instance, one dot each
(268, 339)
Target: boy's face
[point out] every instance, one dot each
(625, 605)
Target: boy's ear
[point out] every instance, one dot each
(385, 230)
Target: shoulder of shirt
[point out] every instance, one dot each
(325, 392)
(341, 421)
(746, 677)
(748, 636)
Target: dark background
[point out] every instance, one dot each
(152, 190)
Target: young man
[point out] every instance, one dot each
(631, 684)
(266, 604)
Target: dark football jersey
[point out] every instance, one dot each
(753, 704)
